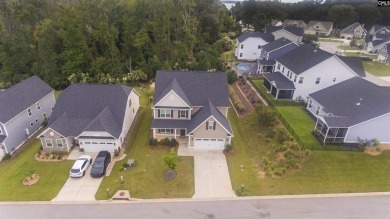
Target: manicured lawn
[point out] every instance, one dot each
(330, 40)
(348, 48)
(145, 180)
(322, 172)
(377, 68)
(358, 54)
(52, 176)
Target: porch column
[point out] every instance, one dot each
(315, 127)
(277, 94)
(230, 139)
(175, 133)
(326, 135)
(189, 141)
(154, 133)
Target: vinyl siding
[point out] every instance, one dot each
(377, 128)
(250, 51)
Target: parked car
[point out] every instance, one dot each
(100, 165)
(80, 166)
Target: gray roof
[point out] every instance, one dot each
(90, 107)
(198, 87)
(355, 63)
(327, 25)
(2, 138)
(350, 28)
(174, 86)
(170, 123)
(297, 31)
(298, 23)
(19, 97)
(376, 28)
(267, 62)
(382, 41)
(281, 82)
(265, 36)
(274, 45)
(374, 101)
(303, 58)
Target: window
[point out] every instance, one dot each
(0, 131)
(48, 143)
(183, 114)
(130, 103)
(31, 124)
(133, 110)
(240, 54)
(295, 78)
(242, 46)
(164, 113)
(44, 116)
(29, 112)
(288, 74)
(52, 108)
(278, 66)
(317, 26)
(165, 131)
(300, 80)
(318, 80)
(259, 47)
(310, 103)
(59, 143)
(36, 120)
(283, 70)
(210, 125)
(318, 110)
(334, 79)
(38, 106)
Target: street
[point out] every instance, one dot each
(272, 207)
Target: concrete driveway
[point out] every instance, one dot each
(80, 189)
(212, 178)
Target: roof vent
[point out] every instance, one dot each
(358, 103)
(315, 50)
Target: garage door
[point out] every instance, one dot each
(209, 143)
(94, 147)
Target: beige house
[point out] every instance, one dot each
(192, 108)
(319, 28)
(294, 23)
(355, 30)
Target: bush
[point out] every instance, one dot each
(153, 141)
(231, 77)
(6, 156)
(116, 153)
(170, 159)
(352, 42)
(266, 116)
(173, 142)
(282, 135)
(236, 101)
(165, 142)
(270, 133)
(228, 148)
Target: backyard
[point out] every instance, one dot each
(145, 180)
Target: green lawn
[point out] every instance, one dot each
(57, 93)
(52, 176)
(358, 54)
(330, 40)
(377, 68)
(146, 179)
(322, 172)
(348, 48)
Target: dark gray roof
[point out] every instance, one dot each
(355, 63)
(350, 28)
(281, 82)
(198, 87)
(374, 101)
(382, 36)
(19, 97)
(379, 27)
(337, 121)
(170, 123)
(274, 45)
(297, 31)
(298, 23)
(327, 25)
(2, 138)
(265, 36)
(267, 62)
(303, 58)
(204, 113)
(174, 86)
(382, 41)
(90, 107)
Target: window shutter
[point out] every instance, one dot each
(158, 112)
(178, 114)
(171, 113)
(214, 125)
(171, 131)
(187, 114)
(207, 125)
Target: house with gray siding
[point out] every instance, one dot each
(291, 33)
(355, 30)
(384, 54)
(192, 108)
(319, 28)
(351, 110)
(378, 29)
(23, 108)
(94, 116)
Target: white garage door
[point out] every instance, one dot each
(209, 143)
(94, 147)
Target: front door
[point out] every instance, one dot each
(182, 132)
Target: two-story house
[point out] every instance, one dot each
(378, 44)
(351, 110)
(308, 69)
(273, 50)
(291, 33)
(384, 54)
(379, 29)
(23, 108)
(248, 45)
(355, 30)
(94, 116)
(319, 28)
(192, 108)
(294, 23)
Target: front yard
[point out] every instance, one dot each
(52, 176)
(377, 68)
(145, 180)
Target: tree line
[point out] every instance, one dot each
(342, 12)
(108, 41)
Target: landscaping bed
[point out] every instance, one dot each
(246, 105)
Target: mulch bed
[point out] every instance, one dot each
(246, 90)
(164, 147)
(169, 175)
(31, 180)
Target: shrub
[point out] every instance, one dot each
(282, 135)
(173, 142)
(266, 116)
(39, 152)
(165, 141)
(236, 101)
(116, 153)
(170, 159)
(228, 148)
(231, 77)
(153, 141)
(81, 150)
(270, 133)
(6, 156)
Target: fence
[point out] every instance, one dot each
(311, 146)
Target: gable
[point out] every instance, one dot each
(334, 66)
(253, 41)
(171, 100)
(202, 126)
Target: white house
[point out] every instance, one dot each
(351, 110)
(249, 43)
(308, 69)
(95, 116)
(355, 30)
(375, 46)
(384, 54)
(291, 33)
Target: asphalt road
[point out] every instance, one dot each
(330, 46)
(319, 208)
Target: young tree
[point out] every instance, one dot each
(170, 159)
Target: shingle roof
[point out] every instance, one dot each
(170, 123)
(90, 107)
(355, 63)
(276, 44)
(374, 101)
(265, 36)
(19, 97)
(376, 28)
(350, 28)
(327, 25)
(298, 23)
(2, 138)
(382, 41)
(267, 62)
(199, 87)
(303, 58)
(174, 86)
(281, 82)
(297, 31)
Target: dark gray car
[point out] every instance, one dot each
(100, 165)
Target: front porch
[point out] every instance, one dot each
(177, 133)
(280, 87)
(328, 134)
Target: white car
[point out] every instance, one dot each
(80, 166)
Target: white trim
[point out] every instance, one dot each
(216, 121)
(284, 45)
(370, 119)
(95, 136)
(47, 129)
(167, 95)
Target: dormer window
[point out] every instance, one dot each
(29, 112)
(295, 78)
(318, 80)
(38, 106)
(242, 46)
(130, 103)
(210, 125)
(300, 80)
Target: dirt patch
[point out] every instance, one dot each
(240, 94)
(373, 151)
(228, 153)
(169, 175)
(31, 180)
